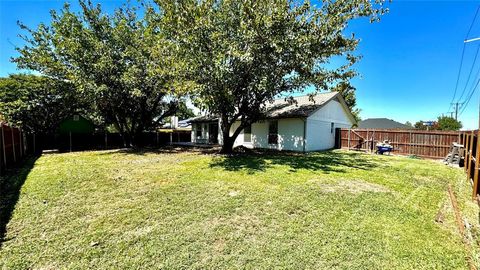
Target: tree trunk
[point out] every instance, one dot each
(228, 141)
(227, 146)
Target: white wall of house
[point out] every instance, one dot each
(320, 132)
(290, 135)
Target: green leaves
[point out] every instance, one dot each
(121, 61)
(233, 57)
(243, 54)
(448, 123)
(37, 104)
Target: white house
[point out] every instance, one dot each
(308, 124)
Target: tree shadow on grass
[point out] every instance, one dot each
(10, 186)
(164, 150)
(328, 161)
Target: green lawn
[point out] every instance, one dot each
(138, 210)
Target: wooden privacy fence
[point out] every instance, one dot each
(428, 144)
(12, 147)
(471, 158)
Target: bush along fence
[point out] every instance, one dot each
(427, 144)
(12, 147)
(471, 156)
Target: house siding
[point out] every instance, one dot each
(291, 131)
(290, 135)
(319, 135)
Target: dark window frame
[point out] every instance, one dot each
(198, 128)
(273, 132)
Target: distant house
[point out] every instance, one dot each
(178, 124)
(179, 130)
(382, 123)
(304, 125)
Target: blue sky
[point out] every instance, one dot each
(410, 59)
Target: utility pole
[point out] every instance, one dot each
(457, 106)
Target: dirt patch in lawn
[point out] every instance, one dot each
(354, 187)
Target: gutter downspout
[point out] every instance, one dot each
(304, 133)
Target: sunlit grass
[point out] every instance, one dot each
(114, 209)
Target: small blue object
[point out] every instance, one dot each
(384, 149)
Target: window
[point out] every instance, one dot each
(198, 130)
(273, 132)
(332, 127)
(247, 134)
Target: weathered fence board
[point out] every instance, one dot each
(471, 159)
(12, 147)
(429, 144)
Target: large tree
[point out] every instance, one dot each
(121, 61)
(348, 93)
(244, 54)
(448, 123)
(35, 103)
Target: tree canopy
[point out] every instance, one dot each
(35, 103)
(244, 54)
(448, 123)
(120, 62)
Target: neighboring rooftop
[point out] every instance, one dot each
(382, 123)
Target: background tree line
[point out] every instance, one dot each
(134, 68)
(442, 123)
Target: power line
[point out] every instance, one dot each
(470, 96)
(470, 73)
(458, 77)
(471, 25)
(461, 59)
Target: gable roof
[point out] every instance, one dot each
(382, 123)
(302, 106)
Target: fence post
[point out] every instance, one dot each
(21, 142)
(465, 151)
(106, 139)
(477, 162)
(368, 143)
(3, 144)
(470, 151)
(34, 144)
(70, 139)
(349, 130)
(410, 142)
(13, 146)
(2, 164)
